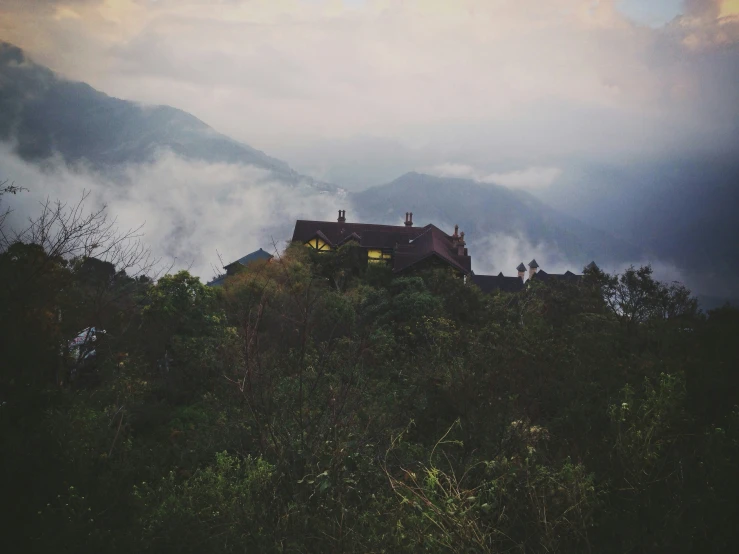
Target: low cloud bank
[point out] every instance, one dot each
(191, 210)
(502, 253)
(497, 253)
(529, 178)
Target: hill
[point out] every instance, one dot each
(46, 114)
(486, 211)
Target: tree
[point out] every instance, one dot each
(635, 298)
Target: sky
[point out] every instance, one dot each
(359, 91)
(520, 93)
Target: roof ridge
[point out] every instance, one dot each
(426, 230)
(350, 237)
(360, 223)
(434, 253)
(320, 233)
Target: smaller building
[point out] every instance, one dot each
(234, 267)
(535, 272)
(255, 256)
(492, 283)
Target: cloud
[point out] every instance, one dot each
(42, 4)
(454, 170)
(528, 178)
(497, 253)
(489, 80)
(709, 8)
(503, 252)
(511, 94)
(191, 210)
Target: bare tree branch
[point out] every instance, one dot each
(70, 231)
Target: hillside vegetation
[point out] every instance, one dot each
(315, 404)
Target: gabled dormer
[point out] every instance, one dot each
(354, 237)
(320, 242)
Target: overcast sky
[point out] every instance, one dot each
(361, 90)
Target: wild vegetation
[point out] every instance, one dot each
(318, 404)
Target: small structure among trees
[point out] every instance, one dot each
(234, 267)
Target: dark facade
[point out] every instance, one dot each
(542, 275)
(491, 283)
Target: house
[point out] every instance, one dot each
(233, 267)
(403, 248)
(408, 247)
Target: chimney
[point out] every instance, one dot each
(521, 270)
(533, 267)
(460, 245)
(409, 219)
(342, 216)
(455, 236)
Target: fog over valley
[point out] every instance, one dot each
(588, 130)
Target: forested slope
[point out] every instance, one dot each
(314, 404)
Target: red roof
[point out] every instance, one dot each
(410, 245)
(432, 242)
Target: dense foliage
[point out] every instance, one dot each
(314, 404)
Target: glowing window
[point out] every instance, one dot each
(318, 244)
(376, 255)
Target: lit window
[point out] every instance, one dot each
(318, 244)
(377, 255)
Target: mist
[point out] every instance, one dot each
(565, 100)
(192, 211)
(497, 253)
(358, 92)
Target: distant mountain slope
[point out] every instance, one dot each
(484, 210)
(684, 211)
(45, 114)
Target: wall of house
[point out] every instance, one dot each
(431, 263)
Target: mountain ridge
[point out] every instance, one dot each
(484, 210)
(45, 113)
